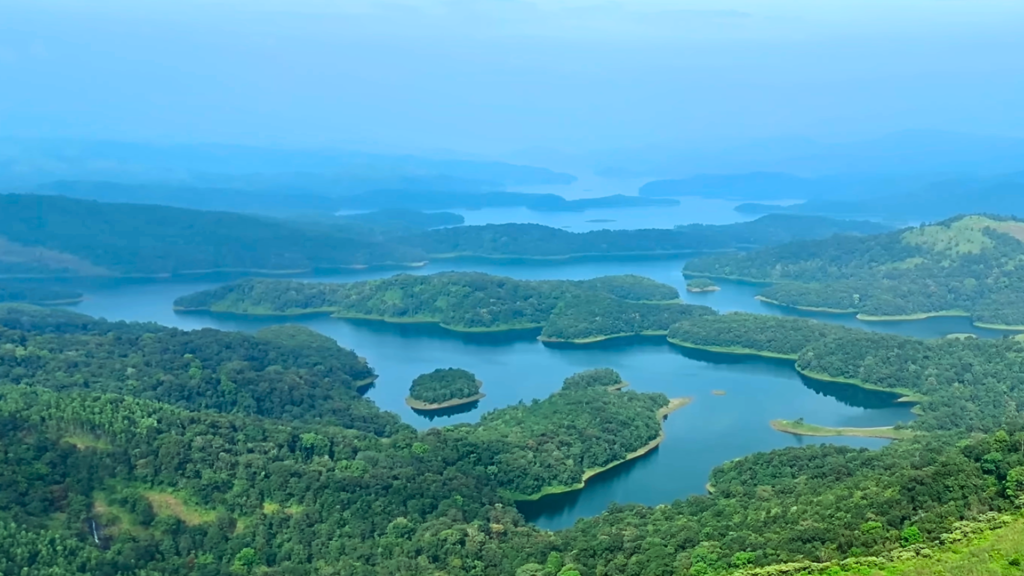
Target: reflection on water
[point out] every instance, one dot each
(447, 412)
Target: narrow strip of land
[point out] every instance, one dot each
(798, 428)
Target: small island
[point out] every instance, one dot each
(718, 392)
(600, 221)
(698, 285)
(444, 388)
(800, 428)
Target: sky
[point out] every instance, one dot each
(489, 77)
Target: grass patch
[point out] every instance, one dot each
(167, 504)
(84, 441)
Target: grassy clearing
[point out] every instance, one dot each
(167, 504)
(798, 428)
(83, 441)
(998, 552)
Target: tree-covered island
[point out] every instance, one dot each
(444, 388)
(698, 285)
(576, 311)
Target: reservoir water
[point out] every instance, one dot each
(516, 367)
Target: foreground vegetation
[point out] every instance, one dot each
(963, 266)
(138, 449)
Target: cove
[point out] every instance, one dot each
(517, 367)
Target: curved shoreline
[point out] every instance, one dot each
(702, 290)
(803, 308)
(906, 395)
(802, 429)
(686, 272)
(452, 255)
(594, 339)
(673, 405)
(417, 405)
(333, 313)
(918, 316)
(737, 350)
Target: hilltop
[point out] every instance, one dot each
(967, 265)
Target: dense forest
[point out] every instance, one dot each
(963, 265)
(537, 241)
(55, 235)
(587, 317)
(103, 475)
(468, 301)
(443, 385)
(47, 235)
(37, 294)
(742, 332)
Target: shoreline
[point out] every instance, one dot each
(663, 413)
(908, 396)
(918, 316)
(593, 339)
(181, 273)
(686, 273)
(804, 308)
(452, 255)
(333, 313)
(737, 351)
(802, 429)
(702, 290)
(425, 407)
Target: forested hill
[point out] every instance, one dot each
(44, 235)
(467, 301)
(967, 264)
(537, 241)
(54, 235)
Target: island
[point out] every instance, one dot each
(963, 266)
(579, 311)
(800, 428)
(444, 388)
(698, 285)
(600, 221)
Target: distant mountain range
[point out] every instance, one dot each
(998, 195)
(326, 172)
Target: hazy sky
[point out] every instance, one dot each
(488, 76)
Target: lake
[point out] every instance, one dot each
(516, 367)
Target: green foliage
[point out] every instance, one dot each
(700, 285)
(60, 235)
(467, 301)
(536, 241)
(396, 220)
(757, 333)
(444, 384)
(305, 377)
(967, 384)
(594, 316)
(968, 263)
(594, 378)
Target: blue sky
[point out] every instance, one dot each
(492, 76)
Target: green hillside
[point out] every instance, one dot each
(583, 310)
(970, 265)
